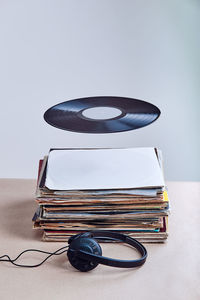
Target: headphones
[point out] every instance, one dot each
(84, 252)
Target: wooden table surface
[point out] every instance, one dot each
(172, 270)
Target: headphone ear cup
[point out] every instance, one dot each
(88, 245)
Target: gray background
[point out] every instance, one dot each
(52, 51)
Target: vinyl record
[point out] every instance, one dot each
(73, 115)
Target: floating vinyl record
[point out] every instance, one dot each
(101, 114)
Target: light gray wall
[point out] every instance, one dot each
(52, 51)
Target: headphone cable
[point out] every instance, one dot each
(12, 261)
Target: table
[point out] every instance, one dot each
(172, 270)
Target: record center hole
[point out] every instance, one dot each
(101, 113)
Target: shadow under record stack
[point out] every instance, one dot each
(120, 190)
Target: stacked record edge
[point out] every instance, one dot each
(140, 213)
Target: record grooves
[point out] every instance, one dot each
(69, 116)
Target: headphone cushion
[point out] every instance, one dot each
(85, 244)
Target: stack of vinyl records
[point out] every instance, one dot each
(121, 190)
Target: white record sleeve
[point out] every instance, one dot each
(96, 169)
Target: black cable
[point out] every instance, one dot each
(36, 250)
(12, 261)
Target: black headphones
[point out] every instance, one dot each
(84, 252)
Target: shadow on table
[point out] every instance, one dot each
(17, 219)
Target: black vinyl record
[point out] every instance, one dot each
(70, 115)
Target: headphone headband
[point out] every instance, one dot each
(106, 260)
